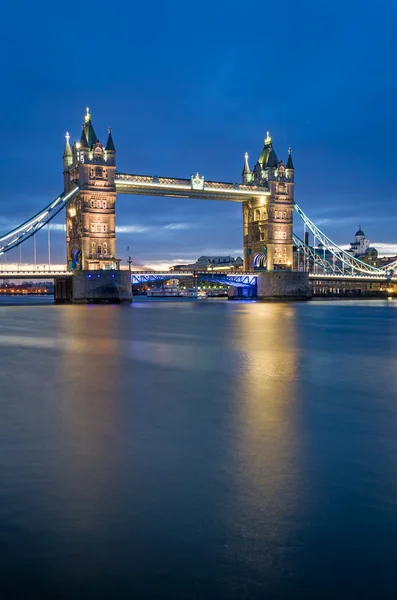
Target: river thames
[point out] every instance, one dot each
(199, 449)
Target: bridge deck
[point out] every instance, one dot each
(232, 276)
(148, 185)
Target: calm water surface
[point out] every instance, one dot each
(198, 450)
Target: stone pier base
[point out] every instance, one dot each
(94, 287)
(283, 285)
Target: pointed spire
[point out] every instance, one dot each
(290, 164)
(83, 140)
(272, 160)
(110, 144)
(266, 152)
(89, 132)
(68, 150)
(246, 170)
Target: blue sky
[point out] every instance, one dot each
(191, 87)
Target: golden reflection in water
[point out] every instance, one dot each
(90, 378)
(268, 441)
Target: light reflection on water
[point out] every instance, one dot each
(198, 450)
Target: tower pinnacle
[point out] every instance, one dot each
(68, 151)
(87, 117)
(290, 164)
(246, 170)
(110, 144)
(268, 139)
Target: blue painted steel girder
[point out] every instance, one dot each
(234, 280)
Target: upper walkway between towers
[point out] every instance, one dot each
(195, 187)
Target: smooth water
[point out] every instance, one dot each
(198, 450)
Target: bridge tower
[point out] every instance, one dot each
(267, 221)
(91, 214)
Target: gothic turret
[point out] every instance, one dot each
(246, 174)
(290, 164)
(290, 169)
(67, 154)
(267, 147)
(88, 130)
(83, 140)
(109, 144)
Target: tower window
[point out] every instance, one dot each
(92, 203)
(105, 228)
(99, 172)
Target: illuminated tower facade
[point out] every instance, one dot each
(267, 221)
(91, 214)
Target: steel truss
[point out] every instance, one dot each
(246, 280)
(350, 264)
(20, 234)
(314, 258)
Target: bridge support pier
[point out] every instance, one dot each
(283, 285)
(277, 286)
(94, 287)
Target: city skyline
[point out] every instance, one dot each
(176, 112)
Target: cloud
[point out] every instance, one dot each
(153, 228)
(385, 249)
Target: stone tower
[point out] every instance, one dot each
(267, 221)
(91, 214)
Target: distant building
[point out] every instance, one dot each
(211, 263)
(386, 260)
(361, 249)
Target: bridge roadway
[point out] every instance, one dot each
(239, 278)
(146, 276)
(195, 187)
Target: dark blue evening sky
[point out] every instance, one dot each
(191, 87)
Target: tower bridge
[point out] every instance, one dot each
(266, 194)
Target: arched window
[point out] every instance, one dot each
(104, 204)
(257, 215)
(104, 228)
(99, 250)
(92, 203)
(93, 227)
(98, 204)
(284, 215)
(98, 227)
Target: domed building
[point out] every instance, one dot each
(361, 249)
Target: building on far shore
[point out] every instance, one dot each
(361, 249)
(211, 263)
